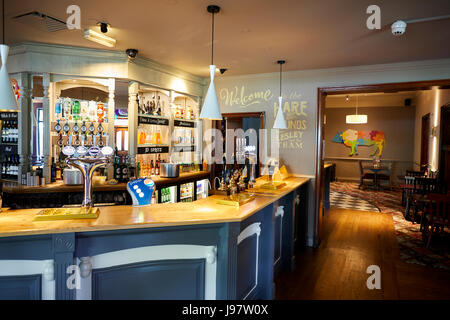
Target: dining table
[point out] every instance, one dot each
(375, 169)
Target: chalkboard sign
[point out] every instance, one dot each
(9, 115)
(8, 149)
(152, 150)
(183, 148)
(186, 124)
(151, 120)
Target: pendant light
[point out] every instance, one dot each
(8, 101)
(356, 118)
(280, 122)
(211, 109)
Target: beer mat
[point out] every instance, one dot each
(237, 200)
(273, 186)
(67, 214)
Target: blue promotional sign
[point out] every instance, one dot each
(141, 191)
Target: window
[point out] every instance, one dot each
(38, 132)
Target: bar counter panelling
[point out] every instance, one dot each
(196, 250)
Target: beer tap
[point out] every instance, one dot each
(75, 130)
(87, 161)
(251, 156)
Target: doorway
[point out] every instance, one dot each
(444, 146)
(244, 121)
(425, 141)
(320, 142)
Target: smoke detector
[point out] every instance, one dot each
(398, 28)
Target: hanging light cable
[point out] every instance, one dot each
(211, 109)
(8, 101)
(280, 122)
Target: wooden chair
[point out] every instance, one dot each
(416, 200)
(412, 173)
(408, 185)
(407, 188)
(436, 216)
(364, 174)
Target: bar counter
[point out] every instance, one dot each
(196, 250)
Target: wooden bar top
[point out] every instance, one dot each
(327, 165)
(59, 186)
(204, 211)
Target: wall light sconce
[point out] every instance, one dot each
(434, 131)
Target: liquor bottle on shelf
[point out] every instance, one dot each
(4, 131)
(53, 171)
(145, 169)
(58, 174)
(158, 136)
(58, 108)
(92, 110)
(76, 109)
(16, 131)
(84, 109)
(138, 169)
(67, 108)
(152, 168)
(158, 106)
(100, 110)
(157, 166)
(141, 136)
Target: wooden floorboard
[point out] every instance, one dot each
(352, 241)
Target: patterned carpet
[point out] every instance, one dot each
(345, 201)
(412, 249)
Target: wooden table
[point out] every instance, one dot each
(375, 171)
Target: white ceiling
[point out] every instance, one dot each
(250, 34)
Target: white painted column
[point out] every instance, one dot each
(46, 117)
(111, 112)
(25, 105)
(133, 90)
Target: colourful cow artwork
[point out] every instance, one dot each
(354, 138)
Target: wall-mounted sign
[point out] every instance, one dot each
(186, 124)
(8, 149)
(354, 138)
(9, 115)
(295, 107)
(152, 120)
(152, 150)
(183, 148)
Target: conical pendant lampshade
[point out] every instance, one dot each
(211, 109)
(8, 100)
(280, 122)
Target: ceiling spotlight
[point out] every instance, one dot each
(103, 26)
